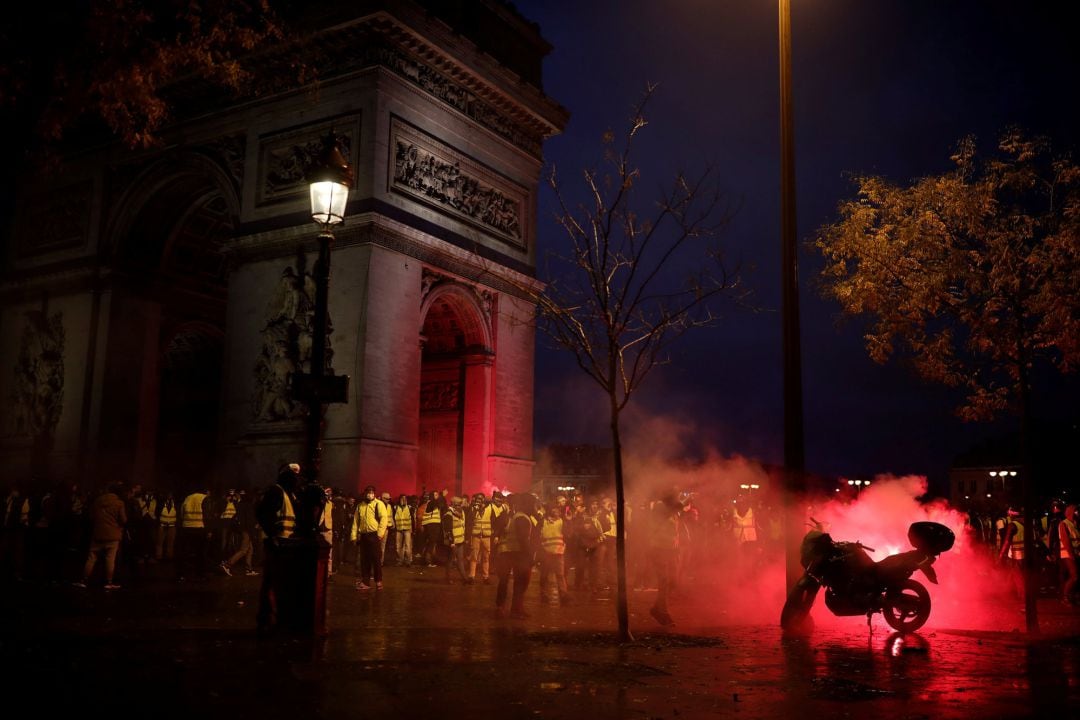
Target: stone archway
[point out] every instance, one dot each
(166, 323)
(457, 354)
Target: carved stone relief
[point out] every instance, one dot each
(437, 174)
(435, 396)
(56, 220)
(284, 159)
(286, 345)
(38, 398)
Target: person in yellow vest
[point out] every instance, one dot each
(165, 540)
(1011, 554)
(605, 560)
(553, 553)
(453, 529)
(1069, 539)
(389, 505)
(228, 535)
(369, 529)
(403, 531)
(193, 537)
(276, 515)
(432, 527)
(324, 526)
(515, 554)
(480, 527)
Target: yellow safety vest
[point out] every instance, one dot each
(193, 516)
(403, 518)
(744, 526)
(326, 521)
(1016, 547)
(168, 516)
(229, 512)
(432, 517)
(509, 541)
(612, 531)
(1074, 538)
(482, 521)
(458, 534)
(285, 521)
(551, 537)
(369, 517)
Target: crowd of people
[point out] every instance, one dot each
(65, 536)
(1055, 539)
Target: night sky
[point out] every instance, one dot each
(883, 87)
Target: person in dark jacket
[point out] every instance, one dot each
(515, 554)
(108, 517)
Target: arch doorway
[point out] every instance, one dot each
(171, 250)
(188, 417)
(455, 384)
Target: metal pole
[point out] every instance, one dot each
(794, 459)
(318, 356)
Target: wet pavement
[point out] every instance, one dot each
(422, 648)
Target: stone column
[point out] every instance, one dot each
(476, 425)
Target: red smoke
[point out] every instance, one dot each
(721, 586)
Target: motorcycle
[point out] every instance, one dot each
(856, 584)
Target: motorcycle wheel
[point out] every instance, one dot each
(906, 606)
(795, 617)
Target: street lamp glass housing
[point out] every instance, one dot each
(330, 181)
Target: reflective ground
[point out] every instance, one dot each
(422, 648)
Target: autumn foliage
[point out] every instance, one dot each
(111, 62)
(973, 274)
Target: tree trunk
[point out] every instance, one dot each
(621, 604)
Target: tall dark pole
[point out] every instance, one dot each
(318, 356)
(794, 459)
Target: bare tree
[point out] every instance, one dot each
(630, 284)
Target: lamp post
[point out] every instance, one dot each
(330, 182)
(859, 486)
(794, 458)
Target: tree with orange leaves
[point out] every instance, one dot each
(109, 64)
(973, 275)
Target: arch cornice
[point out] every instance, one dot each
(476, 321)
(206, 174)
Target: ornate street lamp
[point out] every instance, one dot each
(330, 179)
